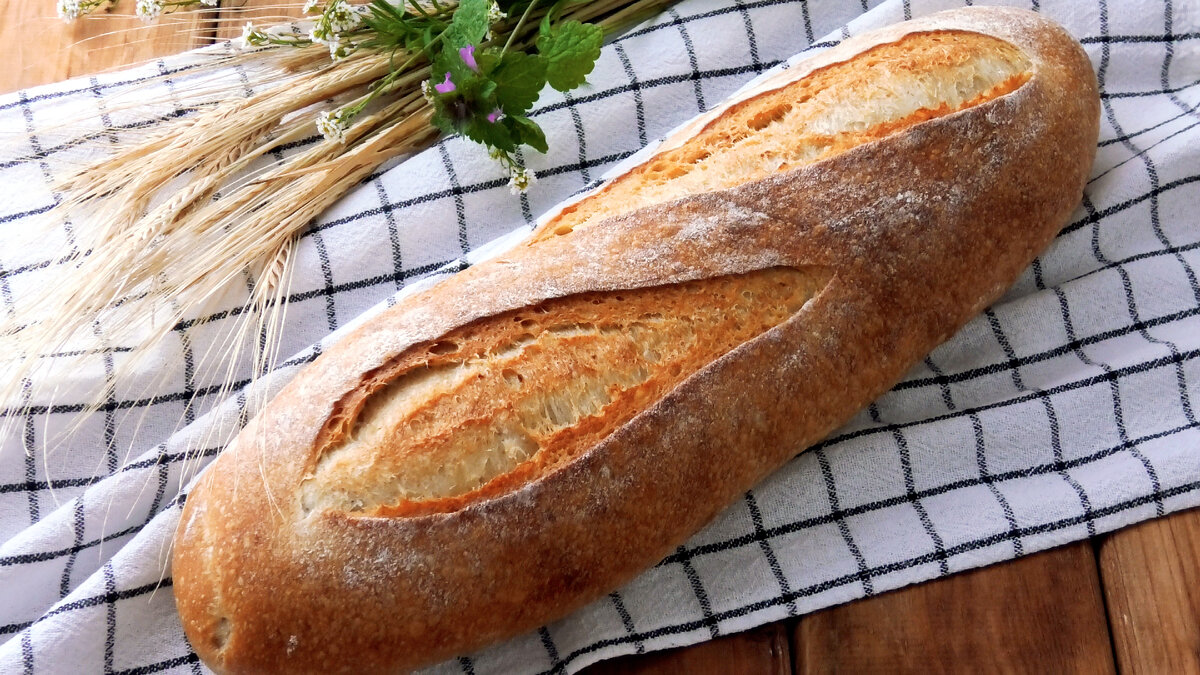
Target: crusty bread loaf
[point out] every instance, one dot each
(534, 431)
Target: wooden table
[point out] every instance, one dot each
(1129, 601)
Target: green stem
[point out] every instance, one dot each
(420, 10)
(286, 40)
(616, 16)
(381, 85)
(517, 29)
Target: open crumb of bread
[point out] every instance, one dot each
(479, 410)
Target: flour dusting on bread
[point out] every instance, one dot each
(502, 401)
(877, 93)
(531, 433)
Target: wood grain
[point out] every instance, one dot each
(763, 650)
(1043, 613)
(1151, 578)
(259, 12)
(39, 48)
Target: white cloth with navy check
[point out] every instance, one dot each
(1066, 410)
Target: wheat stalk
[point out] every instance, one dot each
(159, 252)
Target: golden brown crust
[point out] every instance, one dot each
(880, 91)
(922, 229)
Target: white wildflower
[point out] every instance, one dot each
(495, 14)
(148, 10)
(69, 10)
(520, 179)
(312, 6)
(338, 18)
(331, 126)
(338, 50)
(341, 17)
(319, 34)
(427, 90)
(253, 37)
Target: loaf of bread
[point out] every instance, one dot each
(534, 431)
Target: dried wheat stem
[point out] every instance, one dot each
(147, 167)
(269, 283)
(141, 267)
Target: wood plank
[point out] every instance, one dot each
(258, 12)
(37, 47)
(1151, 579)
(763, 650)
(1042, 613)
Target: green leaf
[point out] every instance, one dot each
(552, 15)
(390, 28)
(487, 58)
(442, 120)
(380, 11)
(519, 78)
(492, 134)
(570, 51)
(528, 132)
(470, 24)
(450, 61)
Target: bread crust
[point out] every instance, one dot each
(922, 230)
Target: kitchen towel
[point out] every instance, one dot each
(1066, 410)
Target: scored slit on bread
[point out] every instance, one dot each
(372, 487)
(503, 400)
(879, 92)
(476, 413)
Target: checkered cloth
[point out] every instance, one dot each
(1064, 411)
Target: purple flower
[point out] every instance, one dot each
(468, 56)
(446, 86)
(495, 115)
